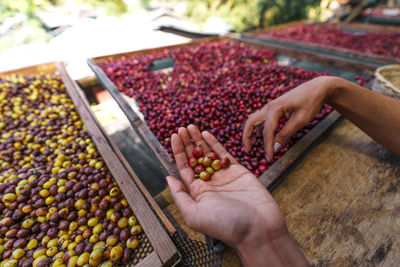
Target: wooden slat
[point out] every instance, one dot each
(345, 63)
(158, 237)
(157, 49)
(166, 222)
(37, 69)
(144, 132)
(151, 260)
(291, 158)
(368, 27)
(89, 82)
(340, 51)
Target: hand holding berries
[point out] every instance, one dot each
(233, 206)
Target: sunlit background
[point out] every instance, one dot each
(37, 31)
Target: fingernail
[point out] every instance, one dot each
(266, 157)
(277, 147)
(166, 179)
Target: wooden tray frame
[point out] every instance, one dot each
(340, 51)
(165, 253)
(269, 178)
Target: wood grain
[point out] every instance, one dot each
(342, 202)
(158, 237)
(151, 260)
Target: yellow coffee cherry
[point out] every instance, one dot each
(83, 258)
(93, 221)
(116, 253)
(97, 228)
(52, 251)
(132, 243)
(32, 244)
(18, 253)
(72, 262)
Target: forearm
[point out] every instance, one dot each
(377, 115)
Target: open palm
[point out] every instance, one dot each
(233, 206)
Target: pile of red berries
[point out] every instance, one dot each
(205, 167)
(214, 86)
(379, 43)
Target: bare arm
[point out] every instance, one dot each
(377, 115)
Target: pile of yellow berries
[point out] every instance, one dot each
(59, 205)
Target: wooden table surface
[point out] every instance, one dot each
(341, 203)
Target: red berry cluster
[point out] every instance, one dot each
(214, 86)
(379, 43)
(206, 166)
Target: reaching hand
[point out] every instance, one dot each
(233, 206)
(299, 105)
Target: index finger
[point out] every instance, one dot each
(181, 160)
(186, 140)
(197, 138)
(270, 125)
(253, 120)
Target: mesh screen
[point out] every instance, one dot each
(195, 253)
(141, 252)
(192, 252)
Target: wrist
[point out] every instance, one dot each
(332, 87)
(262, 249)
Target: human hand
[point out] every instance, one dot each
(299, 106)
(233, 206)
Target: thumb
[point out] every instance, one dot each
(294, 124)
(184, 202)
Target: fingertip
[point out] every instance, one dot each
(269, 154)
(192, 126)
(181, 129)
(247, 145)
(205, 133)
(174, 136)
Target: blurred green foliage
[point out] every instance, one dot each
(29, 7)
(30, 28)
(246, 15)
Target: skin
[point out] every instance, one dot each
(377, 115)
(233, 206)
